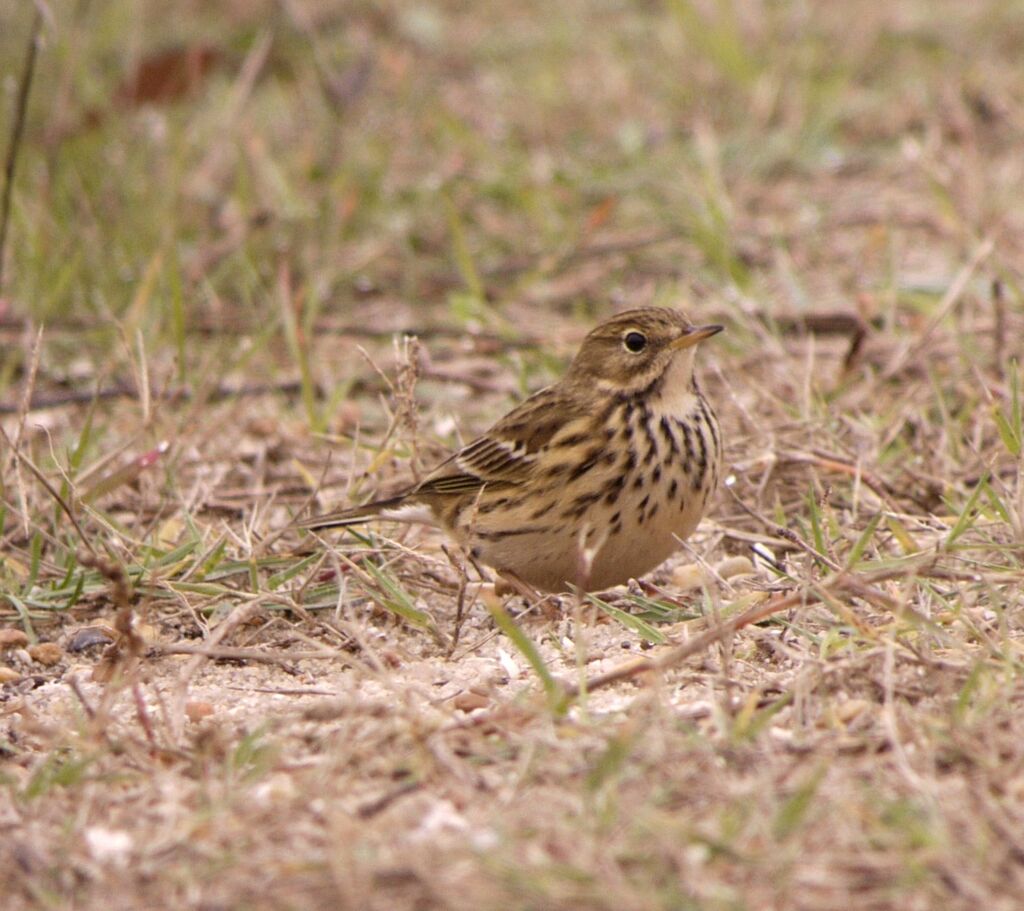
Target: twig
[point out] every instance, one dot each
(830, 462)
(828, 323)
(142, 713)
(460, 600)
(787, 534)
(223, 392)
(283, 690)
(374, 807)
(17, 131)
(227, 653)
(810, 593)
(841, 581)
(76, 688)
(173, 394)
(680, 653)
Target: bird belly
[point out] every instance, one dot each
(594, 545)
(644, 542)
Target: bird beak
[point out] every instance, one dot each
(697, 334)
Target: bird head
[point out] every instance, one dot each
(637, 350)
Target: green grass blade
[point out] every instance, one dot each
(279, 579)
(638, 626)
(399, 602)
(526, 647)
(968, 514)
(857, 551)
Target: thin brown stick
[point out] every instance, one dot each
(826, 323)
(787, 534)
(223, 392)
(142, 713)
(460, 599)
(174, 394)
(239, 614)
(680, 653)
(227, 653)
(808, 594)
(374, 807)
(851, 583)
(76, 688)
(17, 132)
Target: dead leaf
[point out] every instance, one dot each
(169, 75)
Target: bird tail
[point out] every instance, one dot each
(354, 515)
(395, 509)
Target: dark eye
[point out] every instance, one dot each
(635, 342)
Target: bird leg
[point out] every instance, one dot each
(508, 583)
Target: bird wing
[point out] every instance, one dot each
(505, 454)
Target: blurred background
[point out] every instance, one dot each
(231, 178)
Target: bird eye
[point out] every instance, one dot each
(635, 342)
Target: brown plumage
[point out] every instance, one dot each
(591, 481)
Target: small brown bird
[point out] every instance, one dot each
(589, 482)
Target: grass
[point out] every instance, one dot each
(220, 249)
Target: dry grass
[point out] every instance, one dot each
(209, 258)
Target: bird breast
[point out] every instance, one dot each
(606, 503)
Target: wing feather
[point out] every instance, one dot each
(507, 453)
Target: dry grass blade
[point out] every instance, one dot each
(912, 349)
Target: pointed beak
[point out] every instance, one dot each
(692, 336)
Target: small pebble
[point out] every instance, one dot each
(46, 653)
(12, 638)
(693, 575)
(735, 566)
(850, 709)
(688, 576)
(468, 701)
(89, 637)
(198, 710)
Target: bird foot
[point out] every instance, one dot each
(510, 584)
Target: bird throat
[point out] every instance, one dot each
(676, 391)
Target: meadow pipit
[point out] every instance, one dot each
(589, 482)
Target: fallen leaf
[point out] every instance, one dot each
(168, 75)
